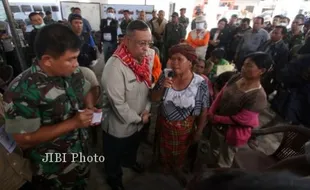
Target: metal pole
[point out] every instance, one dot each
(144, 2)
(15, 37)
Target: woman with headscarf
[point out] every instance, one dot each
(199, 37)
(235, 111)
(182, 112)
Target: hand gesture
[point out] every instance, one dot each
(145, 117)
(83, 119)
(168, 82)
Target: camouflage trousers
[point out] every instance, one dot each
(76, 179)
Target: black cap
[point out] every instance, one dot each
(175, 14)
(126, 11)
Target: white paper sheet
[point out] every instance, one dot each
(96, 118)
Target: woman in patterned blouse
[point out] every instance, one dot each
(183, 110)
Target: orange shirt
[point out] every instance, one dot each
(156, 71)
(198, 42)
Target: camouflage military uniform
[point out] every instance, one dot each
(124, 25)
(184, 21)
(292, 40)
(35, 99)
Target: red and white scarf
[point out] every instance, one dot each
(141, 71)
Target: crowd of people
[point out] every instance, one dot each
(211, 84)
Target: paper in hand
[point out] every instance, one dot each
(96, 118)
(7, 140)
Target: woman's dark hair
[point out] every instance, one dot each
(218, 53)
(223, 78)
(55, 40)
(262, 60)
(223, 20)
(253, 181)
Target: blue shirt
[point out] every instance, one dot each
(86, 26)
(91, 42)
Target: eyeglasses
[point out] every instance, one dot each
(144, 43)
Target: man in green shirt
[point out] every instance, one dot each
(183, 19)
(41, 111)
(174, 34)
(126, 21)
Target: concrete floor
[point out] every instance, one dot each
(267, 144)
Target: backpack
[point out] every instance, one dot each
(87, 53)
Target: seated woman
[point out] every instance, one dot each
(199, 69)
(199, 37)
(217, 58)
(235, 111)
(185, 102)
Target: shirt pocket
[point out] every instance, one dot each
(131, 89)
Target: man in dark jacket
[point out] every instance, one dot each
(37, 23)
(108, 28)
(88, 51)
(279, 52)
(174, 33)
(125, 21)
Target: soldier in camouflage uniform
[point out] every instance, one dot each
(41, 111)
(295, 37)
(126, 21)
(183, 19)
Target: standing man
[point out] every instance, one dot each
(125, 21)
(251, 41)
(6, 43)
(279, 52)
(37, 23)
(295, 36)
(72, 10)
(237, 37)
(88, 51)
(41, 111)
(158, 29)
(198, 13)
(154, 16)
(126, 82)
(86, 25)
(232, 24)
(108, 29)
(48, 19)
(142, 16)
(174, 34)
(183, 19)
(275, 22)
